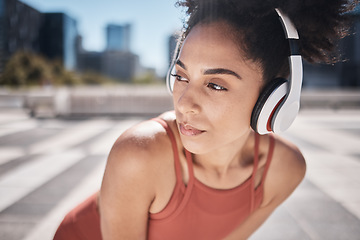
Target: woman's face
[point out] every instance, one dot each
(215, 91)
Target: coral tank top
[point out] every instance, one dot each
(197, 211)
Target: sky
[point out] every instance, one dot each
(153, 21)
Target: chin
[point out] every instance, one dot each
(196, 147)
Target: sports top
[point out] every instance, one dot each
(197, 211)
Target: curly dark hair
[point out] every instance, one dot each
(320, 23)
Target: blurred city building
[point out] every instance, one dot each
(120, 64)
(55, 36)
(117, 61)
(23, 28)
(20, 26)
(58, 37)
(118, 37)
(89, 61)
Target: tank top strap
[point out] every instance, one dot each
(174, 147)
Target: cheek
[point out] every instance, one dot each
(175, 96)
(237, 109)
(234, 121)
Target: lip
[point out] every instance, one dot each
(188, 130)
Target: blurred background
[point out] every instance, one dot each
(75, 74)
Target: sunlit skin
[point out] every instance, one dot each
(214, 94)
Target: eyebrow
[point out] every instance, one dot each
(221, 71)
(181, 64)
(212, 71)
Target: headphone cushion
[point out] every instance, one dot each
(263, 97)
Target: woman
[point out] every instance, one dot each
(201, 171)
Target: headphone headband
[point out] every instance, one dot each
(289, 28)
(286, 113)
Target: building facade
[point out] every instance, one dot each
(58, 39)
(23, 28)
(55, 36)
(89, 61)
(118, 37)
(20, 25)
(120, 65)
(117, 61)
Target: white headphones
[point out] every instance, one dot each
(279, 101)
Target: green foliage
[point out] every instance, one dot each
(60, 76)
(93, 78)
(25, 69)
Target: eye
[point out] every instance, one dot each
(179, 78)
(216, 87)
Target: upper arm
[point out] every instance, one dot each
(286, 171)
(127, 190)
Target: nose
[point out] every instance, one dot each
(187, 100)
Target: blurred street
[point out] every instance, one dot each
(48, 165)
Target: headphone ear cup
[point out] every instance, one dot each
(269, 100)
(170, 79)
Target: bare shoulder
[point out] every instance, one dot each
(137, 161)
(286, 171)
(287, 156)
(134, 175)
(140, 149)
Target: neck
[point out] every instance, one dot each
(222, 160)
